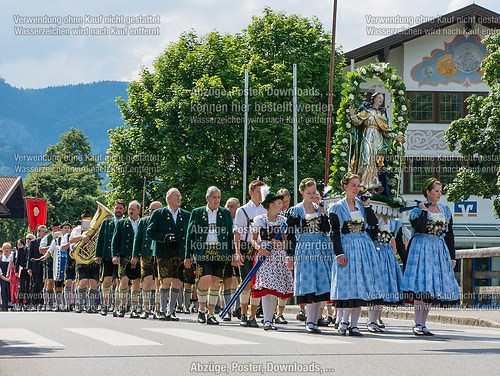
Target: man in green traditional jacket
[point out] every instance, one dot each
(143, 249)
(103, 254)
(210, 244)
(122, 245)
(168, 228)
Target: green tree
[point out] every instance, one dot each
(476, 137)
(70, 180)
(184, 118)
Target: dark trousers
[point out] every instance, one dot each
(5, 286)
(36, 290)
(24, 286)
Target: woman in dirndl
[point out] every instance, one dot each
(310, 246)
(388, 240)
(356, 276)
(273, 279)
(429, 278)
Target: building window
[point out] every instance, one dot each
(419, 172)
(421, 107)
(438, 107)
(450, 107)
(421, 169)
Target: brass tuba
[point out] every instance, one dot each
(84, 254)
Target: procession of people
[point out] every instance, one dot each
(172, 261)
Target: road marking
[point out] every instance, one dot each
(112, 337)
(291, 336)
(203, 337)
(19, 337)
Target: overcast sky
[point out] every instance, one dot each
(48, 60)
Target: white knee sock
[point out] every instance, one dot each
(346, 315)
(356, 312)
(268, 307)
(372, 314)
(419, 310)
(425, 313)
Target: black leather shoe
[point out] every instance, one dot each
(301, 316)
(134, 314)
(160, 316)
(373, 328)
(253, 323)
(104, 311)
(227, 317)
(343, 328)
(417, 330)
(322, 322)
(144, 315)
(354, 332)
(212, 321)
(268, 325)
(91, 310)
(310, 328)
(202, 317)
(244, 321)
(171, 317)
(426, 331)
(121, 312)
(280, 320)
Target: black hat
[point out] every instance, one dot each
(270, 197)
(187, 275)
(66, 224)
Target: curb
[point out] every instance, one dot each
(433, 317)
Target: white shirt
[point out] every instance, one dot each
(77, 231)
(134, 224)
(8, 259)
(174, 213)
(44, 242)
(53, 246)
(240, 222)
(212, 237)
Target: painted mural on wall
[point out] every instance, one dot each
(458, 62)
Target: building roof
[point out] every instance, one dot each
(469, 15)
(12, 203)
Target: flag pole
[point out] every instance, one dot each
(330, 98)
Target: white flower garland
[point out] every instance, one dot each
(343, 134)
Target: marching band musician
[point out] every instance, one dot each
(57, 239)
(143, 249)
(69, 272)
(108, 270)
(209, 243)
(122, 244)
(88, 274)
(168, 228)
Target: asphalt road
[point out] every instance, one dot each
(47, 343)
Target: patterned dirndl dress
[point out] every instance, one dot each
(360, 281)
(273, 277)
(392, 276)
(429, 275)
(313, 255)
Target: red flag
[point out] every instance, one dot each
(37, 211)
